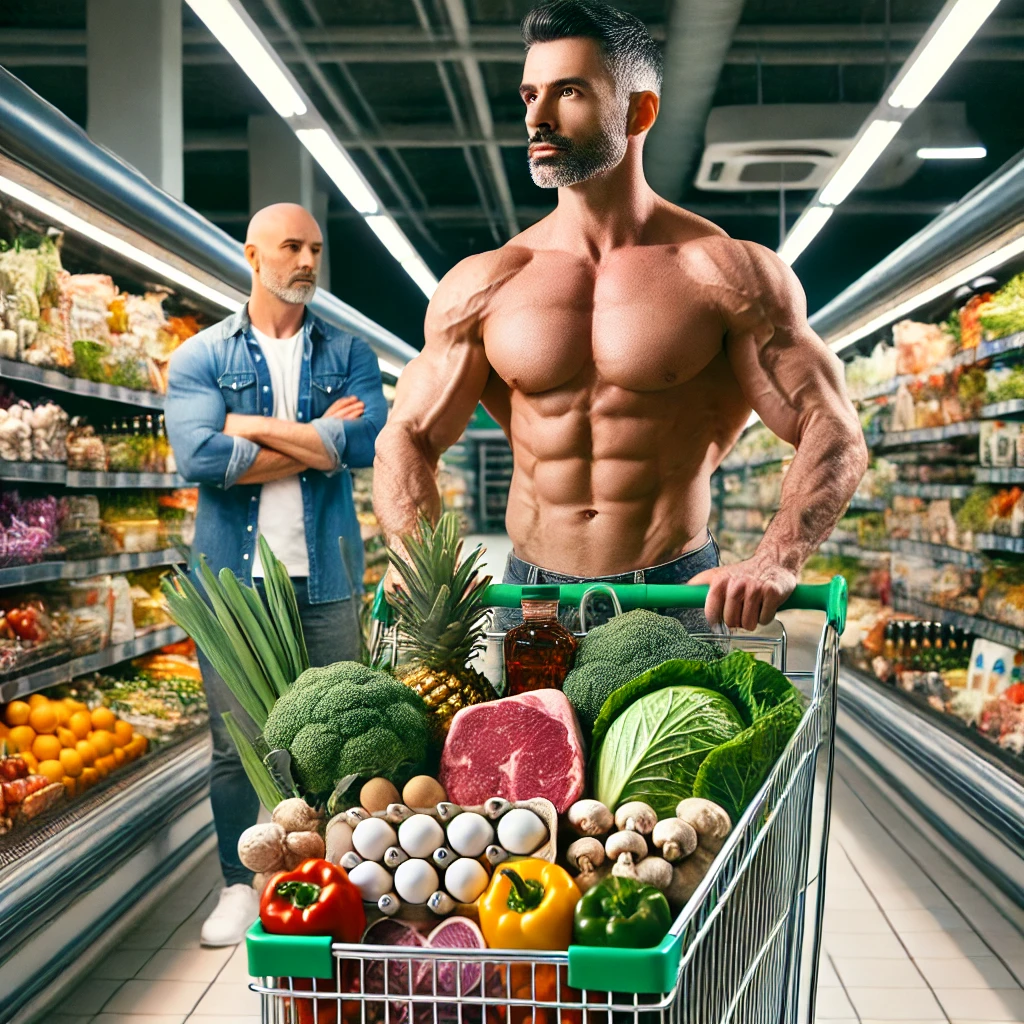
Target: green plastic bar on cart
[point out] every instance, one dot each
(829, 598)
(288, 956)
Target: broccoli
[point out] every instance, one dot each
(623, 648)
(348, 719)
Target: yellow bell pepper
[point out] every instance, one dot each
(529, 905)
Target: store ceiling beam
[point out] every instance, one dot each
(508, 35)
(700, 33)
(390, 136)
(471, 216)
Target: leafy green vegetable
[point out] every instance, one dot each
(654, 749)
(1003, 314)
(972, 516)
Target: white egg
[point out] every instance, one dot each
(372, 880)
(466, 879)
(420, 835)
(470, 834)
(415, 880)
(521, 831)
(372, 837)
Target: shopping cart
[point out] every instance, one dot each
(744, 949)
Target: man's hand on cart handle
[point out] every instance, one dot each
(745, 594)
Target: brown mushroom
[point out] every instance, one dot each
(586, 855)
(711, 822)
(295, 815)
(636, 816)
(687, 876)
(654, 871)
(261, 847)
(676, 839)
(300, 846)
(590, 818)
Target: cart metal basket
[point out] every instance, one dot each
(744, 949)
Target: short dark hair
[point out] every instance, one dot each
(633, 57)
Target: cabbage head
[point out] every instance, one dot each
(654, 749)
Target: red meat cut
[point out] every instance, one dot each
(518, 748)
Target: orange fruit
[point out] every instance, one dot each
(87, 752)
(30, 759)
(21, 738)
(88, 779)
(52, 770)
(119, 756)
(38, 700)
(137, 747)
(17, 713)
(46, 748)
(101, 767)
(70, 787)
(43, 719)
(71, 761)
(102, 740)
(61, 710)
(66, 736)
(74, 705)
(80, 723)
(123, 733)
(103, 718)
(3, 731)
(107, 763)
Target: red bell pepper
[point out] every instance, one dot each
(316, 898)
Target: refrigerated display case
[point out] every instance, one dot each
(101, 276)
(933, 541)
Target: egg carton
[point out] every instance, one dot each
(440, 903)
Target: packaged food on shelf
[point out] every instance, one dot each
(80, 532)
(86, 450)
(131, 519)
(149, 610)
(998, 443)
(29, 635)
(1002, 313)
(866, 372)
(85, 608)
(920, 346)
(177, 514)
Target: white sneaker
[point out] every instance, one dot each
(237, 908)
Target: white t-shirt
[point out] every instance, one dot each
(282, 519)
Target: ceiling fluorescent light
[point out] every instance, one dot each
(803, 232)
(58, 215)
(956, 31)
(867, 149)
(235, 35)
(979, 268)
(339, 167)
(952, 153)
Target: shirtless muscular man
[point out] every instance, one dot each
(621, 343)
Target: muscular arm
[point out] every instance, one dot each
(434, 400)
(271, 465)
(795, 384)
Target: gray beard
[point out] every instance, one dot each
(295, 295)
(580, 162)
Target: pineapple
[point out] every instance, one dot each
(440, 612)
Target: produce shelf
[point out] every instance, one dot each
(82, 478)
(937, 552)
(889, 387)
(986, 628)
(761, 460)
(995, 542)
(19, 575)
(912, 490)
(902, 438)
(34, 472)
(999, 475)
(57, 381)
(868, 504)
(831, 547)
(1010, 409)
(77, 569)
(65, 671)
(1011, 343)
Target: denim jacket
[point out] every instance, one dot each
(222, 370)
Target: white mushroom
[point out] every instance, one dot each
(636, 816)
(625, 848)
(586, 855)
(711, 822)
(676, 839)
(590, 818)
(686, 876)
(654, 871)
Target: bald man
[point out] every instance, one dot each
(266, 412)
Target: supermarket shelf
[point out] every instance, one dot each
(1003, 410)
(927, 760)
(35, 472)
(887, 387)
(868, 504)
(57, 381)
(986, 628)
(31, 682)
(79, 478)
(77, 569)
(890, 387)
(1011, 343)
(999, 475)
(938, 552)
(902, 438)
(831, 547)
(995, 542)
(81, 871)
(912, 490)
(756, 463)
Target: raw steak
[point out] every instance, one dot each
(517, 748)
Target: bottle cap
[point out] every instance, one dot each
(540, 593)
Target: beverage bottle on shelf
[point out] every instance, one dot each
(539, 651)
(166, 451)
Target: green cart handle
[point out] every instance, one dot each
(829, 598)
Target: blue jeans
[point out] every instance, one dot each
(332, 633)
(599, 608)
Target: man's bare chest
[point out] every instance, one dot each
(633, 322)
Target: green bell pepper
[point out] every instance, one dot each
(622, 912)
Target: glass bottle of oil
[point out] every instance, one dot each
(539, 651)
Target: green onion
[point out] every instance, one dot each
(259, 774)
